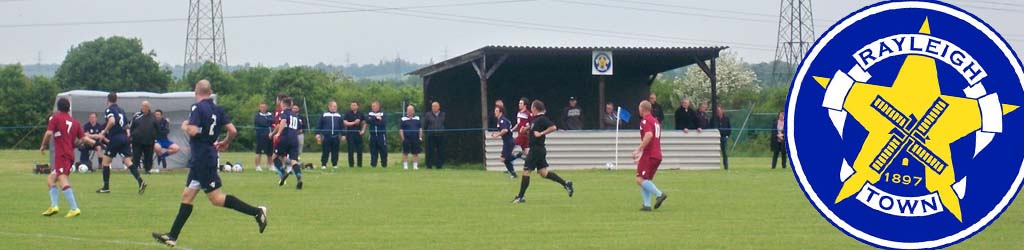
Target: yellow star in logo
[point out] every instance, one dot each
(913, 92)
(602, 62)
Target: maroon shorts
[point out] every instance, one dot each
(522, 141)
(647, 167)
(61, 167)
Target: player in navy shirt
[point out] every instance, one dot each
(507, 144)
(117, 144)
(287, 132)
(203, 127)
(411, 133)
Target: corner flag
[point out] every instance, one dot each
(623, 115)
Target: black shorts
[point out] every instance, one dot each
(203, 177)
(263, 145)
(411, 146)
(537, 159)
(289, 148)
(118, 146)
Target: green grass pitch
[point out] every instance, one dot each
(748, 207)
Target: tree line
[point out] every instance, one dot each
(122, 64)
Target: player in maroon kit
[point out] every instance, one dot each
(64, 130)
(277, 120)
(648, 157)
(522, 127)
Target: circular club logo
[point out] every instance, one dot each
(602, 62)
(903, 128)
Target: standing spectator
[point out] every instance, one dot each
(92, 130)
(777, 138)
(354, 134)
(656, 108)
(411, 133)
(610, 119)
(301, 130)
(725, 130)
(329, 135)
(685, 116)
(263, 120)
(434, 124)
(702, 116)
(572, 116)
(378, 135)
(143, 130)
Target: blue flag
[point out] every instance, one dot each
(623, 115)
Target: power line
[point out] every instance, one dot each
(665, 11)
(537, 26)
(771, 18)
(163, 20)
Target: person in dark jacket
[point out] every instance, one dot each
(354, 134)
(701, 117)
(263, 120)
(143, 131)
(328, 134)
(685, 116)
(610, 118)
(656, 110)
(777, 138)
(572, 115)
(433, 125)
(725, 130)
(378, 135)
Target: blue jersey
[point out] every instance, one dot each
(411, 126)
(505, 124)
(211, 120)
(292, 125)
(118, 114)
(163, 129)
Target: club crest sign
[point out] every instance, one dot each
(902, 125)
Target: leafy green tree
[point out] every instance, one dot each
(26, 104)
(112, 64)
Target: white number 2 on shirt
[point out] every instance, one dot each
(212, 124)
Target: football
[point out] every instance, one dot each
(82, 168)
(237, 168)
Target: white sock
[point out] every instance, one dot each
(415, 165)
(405, 164)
